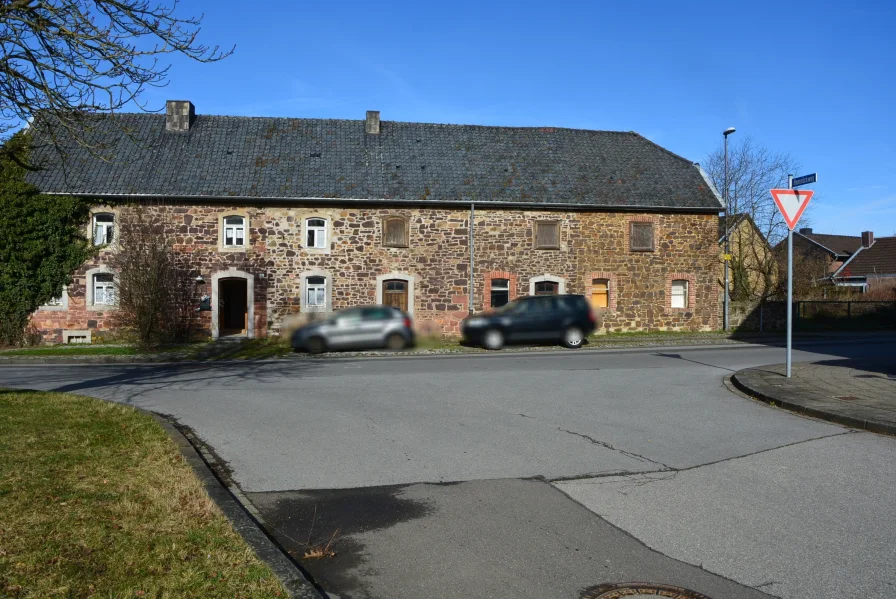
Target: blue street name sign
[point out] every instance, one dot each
(805, 180)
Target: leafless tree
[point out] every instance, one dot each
(753, 170)
(70, 61)
(156, 290)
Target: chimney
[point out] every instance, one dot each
(179, 115)
(867, 239)
(806, 231)
(373, 122)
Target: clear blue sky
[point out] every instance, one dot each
(815, 79)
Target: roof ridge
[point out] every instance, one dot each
(428, 124)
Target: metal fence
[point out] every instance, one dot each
(810, 315)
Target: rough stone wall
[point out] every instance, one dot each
(437, 260)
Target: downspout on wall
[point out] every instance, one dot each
(472, 253)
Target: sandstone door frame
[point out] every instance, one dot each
(233, 273)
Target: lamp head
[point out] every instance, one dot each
(728, 131)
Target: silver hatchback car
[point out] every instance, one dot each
(363, 327)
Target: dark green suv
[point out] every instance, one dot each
(567, 319)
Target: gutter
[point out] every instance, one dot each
(384, 201)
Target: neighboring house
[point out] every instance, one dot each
(871, 267)
(280, 215)
(753, 268)
(827, 253)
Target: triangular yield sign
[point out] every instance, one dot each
(792, 203)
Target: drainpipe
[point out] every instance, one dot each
(472, 251)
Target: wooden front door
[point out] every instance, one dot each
(395, 294)
(233, 307)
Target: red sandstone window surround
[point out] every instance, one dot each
(499, 285)
(601, 289)
(680, 292)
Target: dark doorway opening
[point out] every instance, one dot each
(233, 307)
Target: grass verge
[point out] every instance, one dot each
(73, 350)
(96, 501)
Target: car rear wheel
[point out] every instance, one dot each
(493, 339)
(395, 341)
(573, 337)
(316, 345)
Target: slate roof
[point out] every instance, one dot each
(286, 158)
(879, 259)
(842, 245)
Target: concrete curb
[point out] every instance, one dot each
(242, 515)
(778, 398)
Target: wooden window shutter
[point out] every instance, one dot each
(547, 235)
(641, 236)
(395, 232)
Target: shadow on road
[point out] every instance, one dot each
(129, 382)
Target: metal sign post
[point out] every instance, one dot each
(789, 287)
(792, 203)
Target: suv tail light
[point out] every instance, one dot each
(407, 321)
(591, 316)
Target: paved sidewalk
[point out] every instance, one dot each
(856, 393)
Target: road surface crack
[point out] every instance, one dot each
(605, 445)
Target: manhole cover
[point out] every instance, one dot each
(637, 590)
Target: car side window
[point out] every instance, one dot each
(545, 304)
(377, 313)
(350, 315)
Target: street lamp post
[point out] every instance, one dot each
(725, 134)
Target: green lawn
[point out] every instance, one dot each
(96, 501)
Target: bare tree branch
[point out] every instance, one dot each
(64, 62)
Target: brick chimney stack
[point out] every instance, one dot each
(867, 239)
(806, 231)
(179, 115)
(373, 122)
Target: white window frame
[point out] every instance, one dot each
(61, 303)
(682, 296)
(107, 288)
(316, 290)
(237, 231)
(319, 231)
(305, 288)
(107, 228)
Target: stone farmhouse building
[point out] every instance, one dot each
(281, 216)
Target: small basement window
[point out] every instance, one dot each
(679, 293)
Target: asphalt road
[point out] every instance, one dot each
(731, 497)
